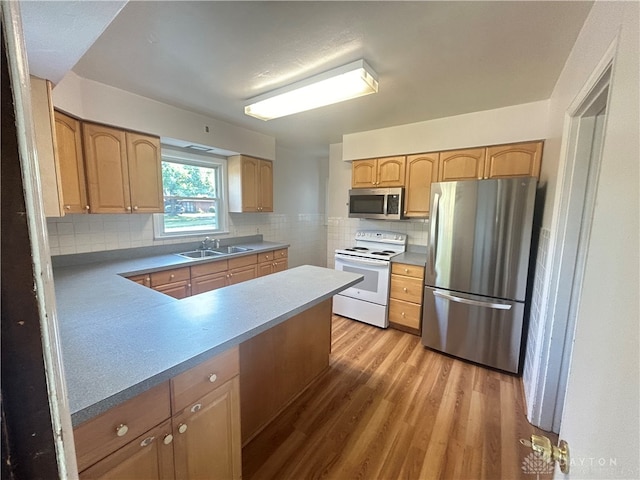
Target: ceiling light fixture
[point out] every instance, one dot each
(343, 83)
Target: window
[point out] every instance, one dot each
(193, 187)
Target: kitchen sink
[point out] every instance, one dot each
(231, 249)
(200, 253)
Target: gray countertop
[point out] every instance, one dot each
(120, 338)
(411, 258)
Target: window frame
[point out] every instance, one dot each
(171, 154)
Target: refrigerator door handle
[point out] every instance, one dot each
(433, 233)
(453, 298)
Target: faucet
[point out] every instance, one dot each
(206, 243)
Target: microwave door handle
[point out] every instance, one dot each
(385, 207)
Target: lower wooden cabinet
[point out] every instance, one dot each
(207, 436)
(174, 282)
(198, 437)
(272, 262)
(405, 297)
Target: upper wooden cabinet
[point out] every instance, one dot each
(378, 172)
(514, 160)
(123, 170)
(250, 184)
(422, 170)
(71, 164)
(461, 164)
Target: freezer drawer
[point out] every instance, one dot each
(479, 329)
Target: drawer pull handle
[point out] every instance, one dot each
(121, 430)
(147, 441)
(196, 408)
(168, 438)
(213, 377)
(182, 428)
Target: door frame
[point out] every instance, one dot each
(569, 241)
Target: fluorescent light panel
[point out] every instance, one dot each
(343, 83)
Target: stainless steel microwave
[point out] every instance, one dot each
(377, 203)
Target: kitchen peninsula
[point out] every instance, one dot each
(122, 341)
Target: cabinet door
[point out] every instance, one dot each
(242, 274)
(145, 173)
(265, 186)
(71, 164)
(208, 283)
(265, 268)
(107, 171)
(515, 160)
(207, 436)
(250, 174)
(280, 265)
(391, 172)
(149, 456)
(461, 164)
(363, 173)
(421, 171)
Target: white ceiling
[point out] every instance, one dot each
(433, 59)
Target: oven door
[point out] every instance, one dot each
(375, 285)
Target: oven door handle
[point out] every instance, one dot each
(361, 261)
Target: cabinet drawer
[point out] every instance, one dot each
(406, 288)
(104, 434)
(266, 256)
(242, 274)
(282, 253)
(208, 268)
(405, 313)
(408, 270)
(191, 385)
(243, 261)
(207, 283)
(170, 276)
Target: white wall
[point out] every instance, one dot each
(490, 127)
(101, 103)
(601, 415)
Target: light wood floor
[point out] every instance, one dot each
(387, 408)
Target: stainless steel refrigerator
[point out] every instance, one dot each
(476, 271)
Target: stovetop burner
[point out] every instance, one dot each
(376, 245)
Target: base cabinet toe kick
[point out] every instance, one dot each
(194, 425)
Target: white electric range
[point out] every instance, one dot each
(371, 257)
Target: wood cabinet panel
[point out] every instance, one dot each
(170, 276)
(207, 283)
(461, 164)
(378, 172)
(421, 172)
(104, 434)
(71, 164)
(405, 313)
(209, 268)
(278, 364)
(391, 171)
(177, 290)
(250, 184)
(144, 279)
(405, 297)
(196, 382)
(106, 168)
(407, 270)
(243, 261)
(207, 436)
(514, 160)
(149, 457)
(242, 274)
(145, 173)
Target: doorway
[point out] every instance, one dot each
(585, 137)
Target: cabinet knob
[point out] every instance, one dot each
(147, 441)
(86, 207)
(213, 377)
(402, 314)
(405, 289)
(267, 257)
(121, 430)
(68, 207)
(168, 438)
(182, 428)
(172, 276)
(406, 270)
(135, 207)
(128, 208)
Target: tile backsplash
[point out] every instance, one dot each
(306, 233)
